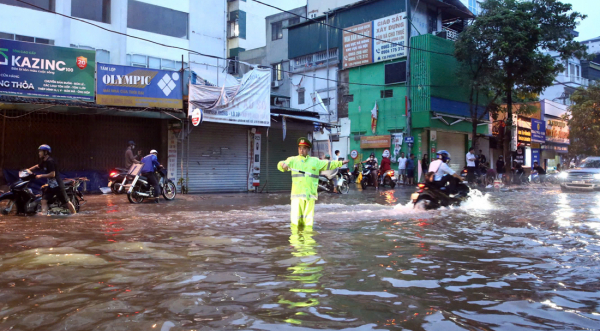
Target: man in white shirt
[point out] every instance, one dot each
(471, 165)
(443, 173)
(402, 168)
(336, 155)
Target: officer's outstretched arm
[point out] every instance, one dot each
(329, 165)
(281, 163)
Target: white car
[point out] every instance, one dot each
(584, 178)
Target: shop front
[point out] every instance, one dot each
(556, 147)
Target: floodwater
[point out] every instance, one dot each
(519, 260)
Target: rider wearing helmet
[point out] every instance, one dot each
(443, 174)
(129, 158)
(151, 163)
(56, 187)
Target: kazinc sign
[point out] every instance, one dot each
(138, 87)
(43, 71)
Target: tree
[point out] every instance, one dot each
(584, 121)
(516, 36)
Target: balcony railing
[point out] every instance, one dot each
(451, 34)
(314, 60)
(572, 79)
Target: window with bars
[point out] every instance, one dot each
(277, 72)
(145, 61)
(387, 94)
(17, 37)
(301, 97)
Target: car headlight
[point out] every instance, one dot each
(596, 176)
(563, 175)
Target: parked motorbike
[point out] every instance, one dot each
(387, 179)
(429, 196)
(366, 176)
(117, 180)
(140, 189)
(21, 200)
(330, 179)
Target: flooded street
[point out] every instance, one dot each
(520, 260)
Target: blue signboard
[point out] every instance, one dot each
(409, 140)
(44, 71)
(138, 87)
(535, 156)
(538, 131)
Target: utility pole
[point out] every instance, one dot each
(408, 104)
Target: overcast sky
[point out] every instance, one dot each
(590, 27)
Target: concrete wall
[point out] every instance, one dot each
(314, 81)
(319, 7)
(207, 29)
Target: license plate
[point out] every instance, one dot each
(340, 182)
(414, 196)
(578, 182)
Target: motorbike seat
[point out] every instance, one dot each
(329, 173)
(121, 170)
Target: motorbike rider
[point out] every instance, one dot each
(55, 184)
(372, 161)
(151, 164)
(386, 165)
(304, 185)
(129, 157)
(444, 175)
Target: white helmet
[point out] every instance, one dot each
(153, 151)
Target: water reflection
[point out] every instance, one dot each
(305, 272)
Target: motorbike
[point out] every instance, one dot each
(387, 179)
(346, 174)
(140, 188)
(330, 179)
(21, 200)
(430, 196)
(117, 180)
(366, 176)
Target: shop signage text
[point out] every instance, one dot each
(43, 71)
(375, 142)
(360, 48)
(138, 87)
(538, 131)
(557, 131)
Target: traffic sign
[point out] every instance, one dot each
(409, 140)
(354, 154)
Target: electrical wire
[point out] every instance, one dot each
(218, 57)
(348, 31)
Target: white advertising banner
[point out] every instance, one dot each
(393, 29)
(243, 102)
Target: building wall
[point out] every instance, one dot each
(206, 29)
(314, 81)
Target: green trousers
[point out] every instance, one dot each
(303, 212)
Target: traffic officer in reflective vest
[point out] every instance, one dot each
(305, 181)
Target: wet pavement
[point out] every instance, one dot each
(514, 260)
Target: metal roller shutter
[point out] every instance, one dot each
(455, 144)
(218, 158)
(279, 150)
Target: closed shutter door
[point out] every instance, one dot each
(218, 158)
(279, 150)
(454, 143)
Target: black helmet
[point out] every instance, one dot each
(372, 154)
(131, 142)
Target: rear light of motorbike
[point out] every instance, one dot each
(113, 174)
(421, 185)
(392, 173)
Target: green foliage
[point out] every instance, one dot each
(505, 49)
(584, 121)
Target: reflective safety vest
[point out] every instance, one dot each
(304, 186)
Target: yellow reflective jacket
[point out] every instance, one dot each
(304, 186)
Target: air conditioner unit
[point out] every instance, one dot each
(335, 137)
(442, 34)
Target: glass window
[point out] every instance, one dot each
(95, 10)
(153, 62)
(102, 56)
(139, 61)
(8, 36)
(128, 59)
(25, 38)
(301, 97)
(44, 41)
(277, 72)
(168, 64)
(46, 4)
(233, 29)
(156, 19)
(276, 31)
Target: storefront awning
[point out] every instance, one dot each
(454, 119)
(305, 118)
